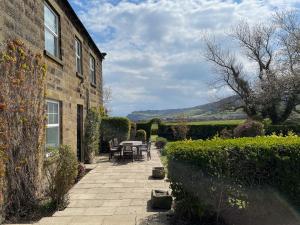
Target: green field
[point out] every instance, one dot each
(213, 122)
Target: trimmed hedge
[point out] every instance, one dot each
(282, 129)
(132, 130)
(247, 174)
(114, 127)
(141, 135)
(146, 126)
(194, 131)
(204, 131)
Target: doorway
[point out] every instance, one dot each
(80, 155)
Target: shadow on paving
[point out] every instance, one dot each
(156, 219)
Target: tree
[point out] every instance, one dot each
(273, 91)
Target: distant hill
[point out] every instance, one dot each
(220, 110)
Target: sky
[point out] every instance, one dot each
(155, 47)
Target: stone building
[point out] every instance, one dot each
(74, 74)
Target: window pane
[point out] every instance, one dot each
(52, 137)
(55, 107)
(50, 119)
(50, 19)
(91, 77)
(55, 118)
(78, 65)
(50, 43)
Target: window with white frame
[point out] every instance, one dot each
(51, 21)
(92, 70)
(53, 126)
(78, 54)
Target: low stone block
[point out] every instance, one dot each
(161, 199)
(158, 172)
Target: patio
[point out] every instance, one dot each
(114, 193)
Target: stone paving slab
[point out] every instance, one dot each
(114, 193)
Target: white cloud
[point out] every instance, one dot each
(154, 47)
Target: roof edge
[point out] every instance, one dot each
(82, 28)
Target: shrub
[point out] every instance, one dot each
(61, 171)
(250, 128)
(201, 131)
(92, 133)
(225, 133)
(141, 135)
(22, 125)
(160, 142)
(241, 180)
(114, 127)
(81, 170)
(146, 126)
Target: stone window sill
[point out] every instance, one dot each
(79, 75)
(93, 85)
(54, 58)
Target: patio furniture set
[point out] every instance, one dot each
(133, 149)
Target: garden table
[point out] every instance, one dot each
(135, 144)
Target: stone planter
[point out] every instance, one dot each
(161, 200)
(158, 172)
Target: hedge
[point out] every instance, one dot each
(282, 129)
(146, 126)
(114, 127)
(237, 178)
(141, 135)
(204, 131)
(194, 132)
(132, 130)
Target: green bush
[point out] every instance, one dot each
(250, 128)
(114, 127)
(246, 178)
(91, 136)
(141, 135)
(201, 131)
(61, 168)
(160, 142)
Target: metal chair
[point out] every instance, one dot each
(146, 148)
(113, 150)
(128, 150)
(115, 142)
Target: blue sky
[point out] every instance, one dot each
(155, 50)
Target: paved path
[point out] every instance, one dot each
(114, 194)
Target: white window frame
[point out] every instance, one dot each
(56, 124)
(55, 33)
(92, 70)
(78, 55)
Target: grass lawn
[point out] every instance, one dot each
(213, 122)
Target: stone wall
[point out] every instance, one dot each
(24, 19)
